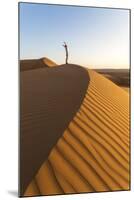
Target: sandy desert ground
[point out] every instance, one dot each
(92, 153)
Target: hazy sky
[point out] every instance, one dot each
(96, 37)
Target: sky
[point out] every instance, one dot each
(96, 37)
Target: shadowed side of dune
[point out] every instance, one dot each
(50, 97)
(93, 153)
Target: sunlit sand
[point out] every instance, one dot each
(93, 152)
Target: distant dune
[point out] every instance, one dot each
(31, 64)
(48, 62)
(93, 152)
(120, 77)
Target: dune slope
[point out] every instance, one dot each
(93, 153)
(50, 99)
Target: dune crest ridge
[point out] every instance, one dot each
(48, 62)
(93, 153)
(32, 64)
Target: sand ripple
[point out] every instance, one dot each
(93, 153)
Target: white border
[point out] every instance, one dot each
(9, 100)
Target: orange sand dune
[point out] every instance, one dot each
(93, 153)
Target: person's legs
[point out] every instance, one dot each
(66, 57)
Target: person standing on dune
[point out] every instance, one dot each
(66, 49)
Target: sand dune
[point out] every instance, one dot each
(48, 62)
(36, 64)
(44, 116)
(126, 89)
(93, 152)
(120, 77)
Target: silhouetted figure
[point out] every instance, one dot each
(66, 49)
